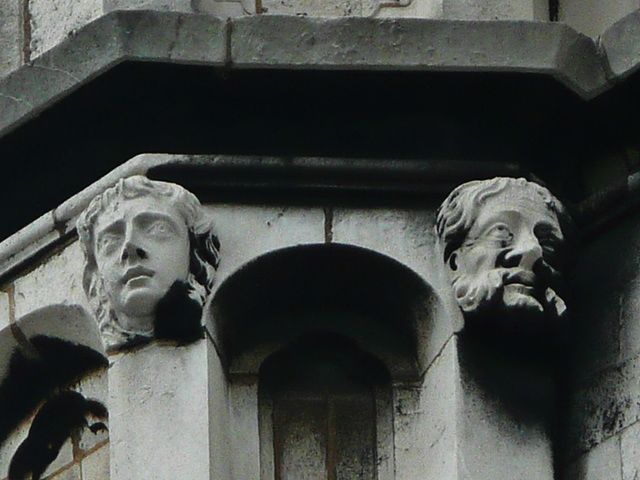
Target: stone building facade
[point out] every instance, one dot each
(320, 139)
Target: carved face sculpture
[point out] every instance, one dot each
(508, 234)
(151, 256)
(141, 248)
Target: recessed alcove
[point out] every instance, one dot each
(385, 307)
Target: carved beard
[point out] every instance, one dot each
(479, 292)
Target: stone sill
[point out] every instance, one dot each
(282, 42)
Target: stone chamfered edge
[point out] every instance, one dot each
(259, 177)
(312, 43)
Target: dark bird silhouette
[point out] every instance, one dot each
(62, 417)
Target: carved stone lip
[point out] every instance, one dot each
(135, 272)
(520, 277)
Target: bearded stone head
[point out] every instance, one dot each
(502, 240)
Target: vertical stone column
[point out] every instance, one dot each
(159, 413)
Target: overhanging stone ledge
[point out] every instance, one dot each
(303, 44)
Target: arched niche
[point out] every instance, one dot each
(376, 301)
(41, 352)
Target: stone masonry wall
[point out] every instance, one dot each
(28, 28)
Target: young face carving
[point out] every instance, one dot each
(141, 248)
(508, 256)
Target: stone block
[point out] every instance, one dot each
(159, 416)
(320, 8)
(593, 17)
(621, 41)
(57, 280)
(601, 463)
(96, 465)
(407, 236)
(94, 386)
(54, 20)
(246, 232)
(425, 422)
(411, 9)
(605, 310)
(219, 421)
(10, 36)
(505, 417)
(244, 431)
(5, 312)
(72, 473)
(630, 452)
(604, 406)
(497, 10)
(158, 5)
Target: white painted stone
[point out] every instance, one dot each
(158, 413)
(425, 422)
(53, 20)
(246, 232)
(4, 310)
(57, 280)
(496, 10)
(593, 17)
(630, 452)
(600, 463)
(244, 431)
(96, 465)
(10, 36)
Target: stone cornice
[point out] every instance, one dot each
(274, 42)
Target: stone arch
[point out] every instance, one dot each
(384, 306)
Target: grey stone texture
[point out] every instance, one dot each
(601, 463)
(621, 44)
(11, 36)
(592, 17)
(158, 406)
(497, 10)
(54, 20)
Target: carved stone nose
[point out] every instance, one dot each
(131, 250)
(525, 253)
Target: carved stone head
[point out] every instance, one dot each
(501, 240)
(143, 239)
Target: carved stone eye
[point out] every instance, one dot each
(500, 234)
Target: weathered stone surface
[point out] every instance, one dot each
(246, 232)
(64, 458)
(425, 422)
(290, 42)
(505, 417)
(96, 465)
(593, 17)
(609, 403)
(497, 10)
(56, 281)
(4, 310)
(408, 237)
(621, 43)
(94, 386)
(600, 463)
(220, 434)
(630, 452)
(157, 5)
(72, 473)
(158, 411)
(319, 8)
(411, 9)
(53, 20)
(244, 421)
(10, 36)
